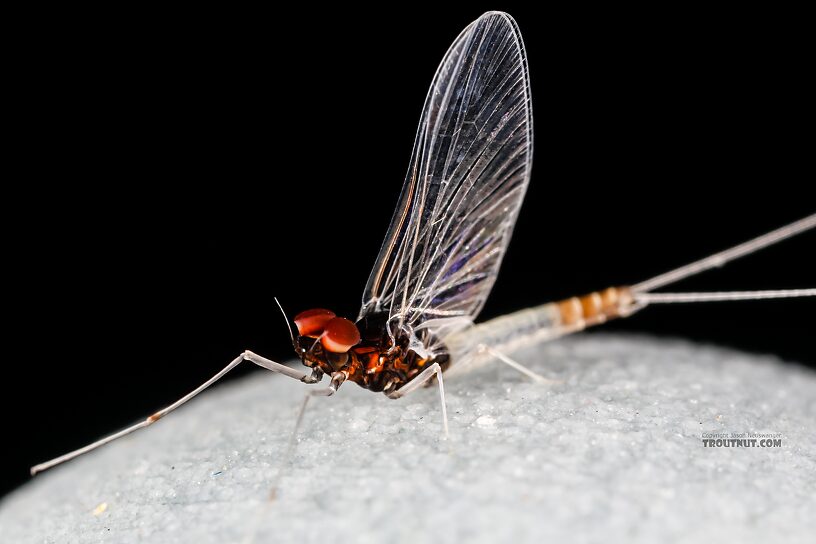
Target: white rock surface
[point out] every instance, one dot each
(614, 454)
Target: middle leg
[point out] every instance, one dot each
(419, 381)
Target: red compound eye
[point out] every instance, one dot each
(312, 322)
(339, 335)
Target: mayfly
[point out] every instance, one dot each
(467, 177)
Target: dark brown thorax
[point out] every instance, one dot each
(376, 362)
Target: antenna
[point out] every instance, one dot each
(288, 326)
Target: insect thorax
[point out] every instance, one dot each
(378, 362)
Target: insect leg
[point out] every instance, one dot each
(517, 366)
(290, 450)
(419, 381)
(245, 356)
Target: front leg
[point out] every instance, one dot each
(245, 356)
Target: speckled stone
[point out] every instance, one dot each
(614, 454)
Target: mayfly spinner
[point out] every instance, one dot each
(467, 177)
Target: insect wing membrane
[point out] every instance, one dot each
(468, 174)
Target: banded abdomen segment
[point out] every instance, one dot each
(541, 323)
(595, 308)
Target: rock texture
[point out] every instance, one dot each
(613, 454)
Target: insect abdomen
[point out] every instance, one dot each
(595, 308)
(548, 321)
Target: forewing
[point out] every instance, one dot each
(468, 174)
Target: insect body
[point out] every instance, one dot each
(468, 173)
(362, 353)
(369, 357)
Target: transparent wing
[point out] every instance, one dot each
(469, 170)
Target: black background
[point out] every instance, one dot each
(177, 171)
